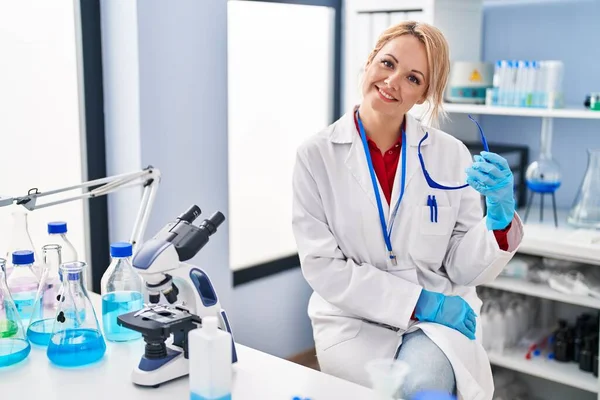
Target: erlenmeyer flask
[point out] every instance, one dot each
(44, 311)
(14, 346)
(76, 338)
(20, 238)
(585, 212)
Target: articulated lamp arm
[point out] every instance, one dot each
(148, 178)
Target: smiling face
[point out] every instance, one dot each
(398, 77)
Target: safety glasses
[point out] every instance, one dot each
(433, 184)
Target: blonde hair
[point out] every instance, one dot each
(438, 59)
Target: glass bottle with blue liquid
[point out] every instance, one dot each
(23, 283)
(76, 338)
(14, 346)
(121, 289)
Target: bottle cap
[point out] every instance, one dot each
(22, 257)
(210, 324)
(57, 227)
(121, 249)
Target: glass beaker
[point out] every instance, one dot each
(76, 338)
(387, 375)
(41, 323)
(585, 212)
(23, 283)
(14, 346)
(20, 239)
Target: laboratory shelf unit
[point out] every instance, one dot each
(542, 291)
(480, 109)
(564, 373)
(566, 242)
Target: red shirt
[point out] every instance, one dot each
(385, 166)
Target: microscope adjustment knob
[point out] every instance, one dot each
(171, 295)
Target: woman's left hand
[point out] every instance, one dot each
(491, 176)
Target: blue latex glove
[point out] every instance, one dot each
(491, 176)
(451, 311)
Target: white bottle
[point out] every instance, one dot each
(57, 234)
(210, 362)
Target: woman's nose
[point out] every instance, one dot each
(393, 81)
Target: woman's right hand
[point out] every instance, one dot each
(451, 311)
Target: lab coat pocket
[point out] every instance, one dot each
(433, 229)
(332, 333)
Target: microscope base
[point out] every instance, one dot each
(155, 372)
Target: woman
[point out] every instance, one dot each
(409, 293)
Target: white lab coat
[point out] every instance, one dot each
(344, 259)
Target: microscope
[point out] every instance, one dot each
(189, 295)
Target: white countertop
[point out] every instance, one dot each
(257, 375)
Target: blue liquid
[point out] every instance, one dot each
(542, 187)
(13, 351)
(24, 302)
(76, 347)
(40, 331)
(194, 396)
(115, 304)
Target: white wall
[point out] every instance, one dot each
(40, 137)
(280, 93)
(182, 118)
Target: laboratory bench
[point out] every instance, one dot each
(256, 375)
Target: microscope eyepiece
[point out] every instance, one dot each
(191, 214)
(212, 223)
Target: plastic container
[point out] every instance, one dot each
(14, 346)
(387, 376)
(76, 338)
(23, 283)
(210, 362)
(42, 319)
(121, 289)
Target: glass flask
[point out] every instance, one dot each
(46, 303)
(14, 346)
(76, 338)
(585, 212)
(543, 175)
(121, 289)
(57, 234)
(23, 283)
(20, 239)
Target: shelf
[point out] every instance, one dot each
(565, 373)
(543, 291)
(563, 243)
(573, 112)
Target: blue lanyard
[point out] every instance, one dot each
(387, 234)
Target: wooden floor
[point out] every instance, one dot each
(307, 358)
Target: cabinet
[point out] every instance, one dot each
(365, 20)
(545, 240)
